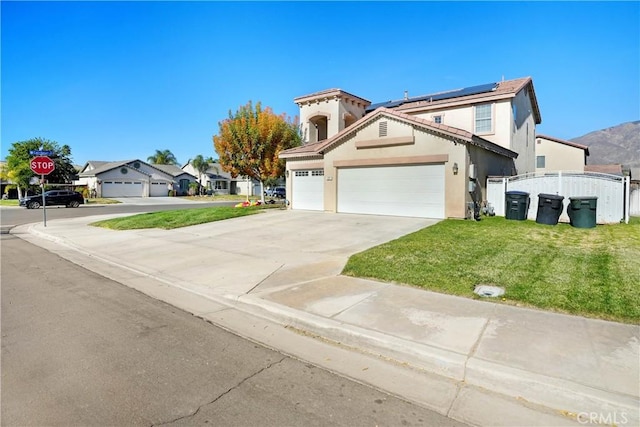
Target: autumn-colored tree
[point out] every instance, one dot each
(249, 142)
(17, 168)
(163, 157)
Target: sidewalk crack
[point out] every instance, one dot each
(263, 280)
(461, 383)
(194, 413)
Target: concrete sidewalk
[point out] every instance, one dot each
(275, 278)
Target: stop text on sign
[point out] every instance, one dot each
(42, 165)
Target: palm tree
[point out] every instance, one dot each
(164, 157)
(201, 165)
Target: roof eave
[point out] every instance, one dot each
(299, 156)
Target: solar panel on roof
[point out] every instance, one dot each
(473, 90)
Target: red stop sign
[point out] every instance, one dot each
(42, 165)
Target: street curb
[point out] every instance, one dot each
(558, 395)
(565, 399)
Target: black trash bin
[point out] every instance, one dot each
(516, 205)
(582, 211)
(549, 208)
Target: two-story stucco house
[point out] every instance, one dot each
(426, 156)
(554, 154)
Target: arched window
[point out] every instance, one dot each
(318, 128)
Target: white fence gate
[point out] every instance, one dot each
(612, 192)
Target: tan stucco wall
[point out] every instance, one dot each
(559, 157)
(335, 110)
(328, 108)
(517, 135)
(406, 145)
(523, 127)
(426, 148)
(461, 117)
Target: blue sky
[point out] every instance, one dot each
(118, 80)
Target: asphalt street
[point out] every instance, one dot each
(79, 349)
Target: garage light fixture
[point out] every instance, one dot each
(455, 169)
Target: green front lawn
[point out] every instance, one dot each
(592, 272)
(9, 202)
(177, 218)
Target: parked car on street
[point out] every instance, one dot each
(277, 192)
(70, 199)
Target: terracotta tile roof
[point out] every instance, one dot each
(504, 89)
(306, 150)
(319, 148)
(610, 169)
(562, 141)
(328, 93)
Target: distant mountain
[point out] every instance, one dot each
(615, 145)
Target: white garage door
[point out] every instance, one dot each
(159, 189)
(415, 191)
(308, 190)
(122, 189)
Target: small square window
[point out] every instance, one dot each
(437, 119)
(540, 161)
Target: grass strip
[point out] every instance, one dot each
(176, 218)
(592, 272)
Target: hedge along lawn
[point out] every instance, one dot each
(593, 272)
(177, 218)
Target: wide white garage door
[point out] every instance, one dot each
(415, 191)
(122, 189)
(159, 189)
(308, 190)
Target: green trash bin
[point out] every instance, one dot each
(516, 205)
(582, 211)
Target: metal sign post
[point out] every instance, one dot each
(44, 205)
(42, 165)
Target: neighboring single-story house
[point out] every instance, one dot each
(554, 154)
(214, 179)
(133, 178)
(426, 156)
(221, 182)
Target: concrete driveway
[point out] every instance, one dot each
(236, 256)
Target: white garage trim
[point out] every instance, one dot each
(308, 189)
(414, 190)
(122, 189)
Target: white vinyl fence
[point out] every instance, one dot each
(634, 199)
(612, 192)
